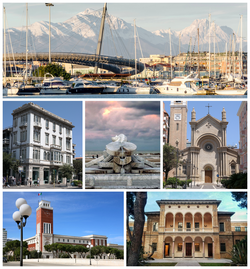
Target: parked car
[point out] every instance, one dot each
(4, 259)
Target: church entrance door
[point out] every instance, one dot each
(208, 176)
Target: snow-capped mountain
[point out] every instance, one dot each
(80, 34)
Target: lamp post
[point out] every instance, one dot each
(89, 246)
(49, 5)
(18, 216)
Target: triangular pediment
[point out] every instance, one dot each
(208, 116)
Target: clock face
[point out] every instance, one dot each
(177, 116)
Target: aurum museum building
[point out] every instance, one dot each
(190, 228)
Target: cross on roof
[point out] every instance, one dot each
(208, 108)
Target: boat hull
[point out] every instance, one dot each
(89, 90)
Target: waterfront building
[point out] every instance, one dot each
(45, 233)
(242, 114)
(42, 142)
(4, 237)
(190, 229)
(207, 159)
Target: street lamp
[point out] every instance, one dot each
(18, 216)
(89, 246)
(49, 5)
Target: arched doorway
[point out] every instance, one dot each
(168, 247)
(208, 174)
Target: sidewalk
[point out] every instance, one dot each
(40, 187)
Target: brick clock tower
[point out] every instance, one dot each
(44, 225)
(178, 124)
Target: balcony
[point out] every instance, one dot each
(6, 141)
(37, 124)
(23, 124)
(53, 146)
(189, 230)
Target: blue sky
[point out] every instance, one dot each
(231, 108)
(148, 15)
(75, 213)
(227, 203)
(69, 110)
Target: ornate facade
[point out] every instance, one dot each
(190, 228)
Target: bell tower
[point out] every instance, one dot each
(178, 124)
(44, 225)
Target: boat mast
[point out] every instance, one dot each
(233, 49)
(190, 55)
(4, 16)
(209, 43)
(26, 74)
(170, 54)
(214, 52)
(241, 51)
(226, 60)
(198, 55)
(179, 51)
(99, 45)
(135, 52)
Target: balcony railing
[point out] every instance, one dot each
(193, 230)
(53, 146)
(37, 124)
(6, 141)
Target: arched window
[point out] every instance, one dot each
(232, 168)
(177, 126)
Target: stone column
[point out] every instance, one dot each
(202, 224)
(164, 249)
(192, 228)
(213, 249)
(173, 222)
(173, 250)
(183, 225)
(193, 250)
(203, 242)
(183, 249)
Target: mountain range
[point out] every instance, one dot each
(80, 34)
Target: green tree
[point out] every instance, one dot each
(14, 246)
(77, 164)
(54, 69)
(7, 163)
(236, 181)
(34, 254)
(67, 170)
(169, 159)
(136, 236)
(81, 249)
(240, 197)
(239, 253)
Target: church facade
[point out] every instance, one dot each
(206, 158)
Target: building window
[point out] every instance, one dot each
(36, 135)
(232, 168)
(37, 119)
(56, 156)
(197, 246)
(60, 129)
(222, 246)
(222, 227)
(237, 229)
(188, 226)
(58, 239)
(67, 144)
(179, 247)
(67, 132)
(63, 240)
(74, 241)
(23, 154)
(179, 226)
(154, 247)
(67, 240)
(197, 226)
(23, 135)
(14, 154)
(47, 228)
(60, 141)
(14, 137)
(24, 119)
(79, 241)
(54, 127)
(36, 154)
(155, 226)
(177, 126)
(47, 139)
(53, 139)
(68, 159)
(184, 169)
(15, 122)
(47, 124)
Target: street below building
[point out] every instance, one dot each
(47, 186)
(207, 186)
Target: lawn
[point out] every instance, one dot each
(160, 264)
